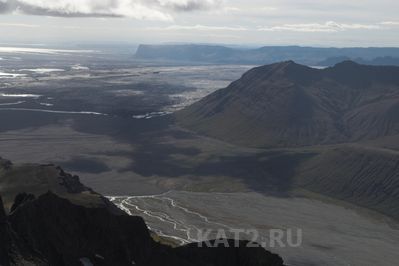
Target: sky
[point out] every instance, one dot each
(339, 23)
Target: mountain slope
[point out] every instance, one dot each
(367, 177)
(286, 105)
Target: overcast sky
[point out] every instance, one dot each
(255, 22)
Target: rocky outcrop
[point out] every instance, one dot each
(21, 199)
(39, 179)
(71, 183)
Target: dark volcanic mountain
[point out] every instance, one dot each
(55, 220)
(287, 104)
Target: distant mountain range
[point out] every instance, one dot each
(215, 54)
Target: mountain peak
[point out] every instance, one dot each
(285, 68)
(292, 71)
(288, 64)
(291, 62)
(346, 64)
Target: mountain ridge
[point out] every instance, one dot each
(287, 104)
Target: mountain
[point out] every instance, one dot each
(55, 220)
(334, 131)
(193, 53)
(332, 61)
(378, 61)
(291, 105)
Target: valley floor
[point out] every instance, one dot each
(332, 235)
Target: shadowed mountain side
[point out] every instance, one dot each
(13, 251)
(363, 176)
(286, 105)
(64, 233)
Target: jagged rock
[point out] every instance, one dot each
(2, 211)
(5, 164)
(21, 199)
(71, 182)
(14, 251)
(4, 237)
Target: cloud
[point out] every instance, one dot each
(138, 9)
(199, 28)
(329, 26)
(187, 5)
(390, 23)
(21, 25)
